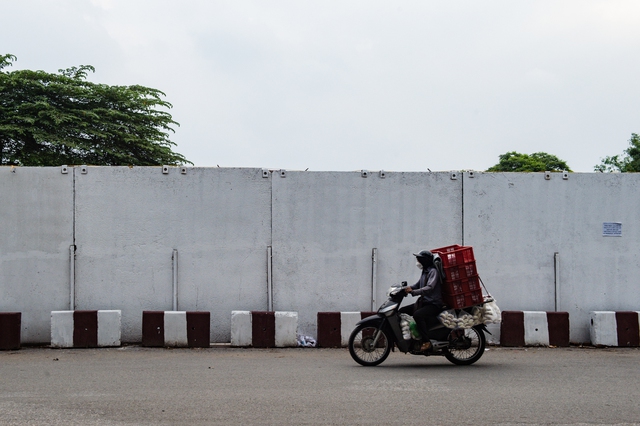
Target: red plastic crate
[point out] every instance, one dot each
(460, 272)
(464, 285)
(463, 300)
(455, 255)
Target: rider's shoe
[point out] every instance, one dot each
(425, 346)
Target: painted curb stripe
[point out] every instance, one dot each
(348, 321)
(627, 329)
(198, 329)
(10, 324)
(263, 329)
(85, 329)
(558, 328)
(176, 329)
(512, 328)
(329, 330)
(153, 328)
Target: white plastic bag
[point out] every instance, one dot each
(492, 313)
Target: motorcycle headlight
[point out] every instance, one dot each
(388, 310)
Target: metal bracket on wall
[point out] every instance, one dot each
(454, 175)
(472, 174)
(83, 170)
(547, 175)
(265, 173)
(64, 169)
(283, 173)
(383, 174)
(565, 175)
(165, 170)
(183, 170)
(364, 173)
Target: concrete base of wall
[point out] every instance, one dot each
(262, 329)
(10, 325)
(334, 328)
(176, 329)
(615, 328)
(533, 328)
(85, 329)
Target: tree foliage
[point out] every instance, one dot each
(53, 119)
(628, 162)
(537, 162)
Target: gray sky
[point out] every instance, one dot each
(349, 85)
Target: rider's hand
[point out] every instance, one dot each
(408, 289)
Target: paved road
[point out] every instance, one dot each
(134, 385)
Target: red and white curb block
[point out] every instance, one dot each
(615, 328)
(334, 328)
(262, 329)
(85, 329)
(534, 328)
(10, 326)
(176, 329)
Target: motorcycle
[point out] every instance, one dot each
(376, 336)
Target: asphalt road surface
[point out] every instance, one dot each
(144, 386)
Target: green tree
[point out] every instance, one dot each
(628, 162)
(536, 162)
(53, 119)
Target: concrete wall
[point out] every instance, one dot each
(36, 214)
(326, 225)
(322, 227)
(516, 222)
(129, 221)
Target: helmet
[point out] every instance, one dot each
(425, 257)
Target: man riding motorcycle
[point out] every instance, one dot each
(429, 290)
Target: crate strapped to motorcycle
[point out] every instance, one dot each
(462, 289)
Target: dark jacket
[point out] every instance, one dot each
(428, 287)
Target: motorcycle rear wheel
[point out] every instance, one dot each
(362, 349)
(467, 355)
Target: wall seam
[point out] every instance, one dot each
(462, 207)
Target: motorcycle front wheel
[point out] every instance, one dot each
(362, 347)
(467, 349)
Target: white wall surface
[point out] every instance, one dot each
(129, 221)
(322, 227)
(36, 218)
(326, 224)
(517, 221)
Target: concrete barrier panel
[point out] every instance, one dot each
(198, 329)
(153, 328)
(10, 324)
(175, 329)
(263, 329)
(62, 329)
(334, 328)
(241, 328)
(329, 335)
(536, 328)
(85, 329)
(615, 328)
(109, 328)
(603, 329)
(286, 329)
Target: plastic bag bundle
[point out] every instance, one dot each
(405, 326)
(449, 318)
(306, 341)
(409, 327)
(492, 313)
(463, 319)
